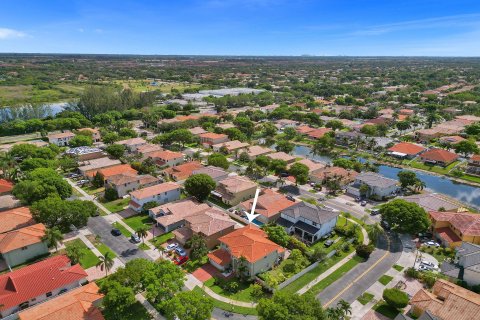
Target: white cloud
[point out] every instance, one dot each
(11, 34)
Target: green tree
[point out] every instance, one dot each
(52, 237)
(374, 231)
(395, 298)
(98, 180)
(80, 141)
(198, 247)
(110, 137)
(218, 160)
(334, 125)
(323, 145)
(278, 166)
(105, 262)
(244, 158)
(286, 306)
(364, 251)
(344, 307)
(284, 146)
(290, 133)
(163, 281)
(403, 125)
(466, 147)
(118, 299)
(235, 134)
(405, 217)
(300, 172)
(116, 150)
(142, 232)
(407, 178)
(256, 291)
(75, 252)
(369, 130)
(68, 163)
(110, 194)
(318, 253)
(277, 234)
(364, 190)
(200, 186)
(189, 305)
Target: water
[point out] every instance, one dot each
(32, 111)
(465, 193)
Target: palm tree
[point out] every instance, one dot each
(333, 313)
(53, 236)
(142, 232)
(105, 262)
(241, 267)
(374, 231)
(372, 143)
(345, 307)
(419, 185)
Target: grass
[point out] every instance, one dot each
(135, 312)
(104, 249)
(92, 190)
(117, 205)
(193, 265)
(89, 259)
(138, 221)
(365, 298)
(122, 229)
(385, 279)
(226, 306)
(383, 308)
(309, 200)
(243, 293)
(337, 274)
(143, 246)
(438, 253)
(219, 203)
(398, 267)
(437, 169)
(158, 241)
(468, 177)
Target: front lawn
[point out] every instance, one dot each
(117, 205)
(89, 259)
(92, 190)
(138, 221)
(226, 306)
(100, 246)
(243, 291)
(385, 279)
(143, 246)
(161, 239)
(383, 308)
(122, 229)
(365, 298)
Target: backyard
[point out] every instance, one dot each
(241, 291)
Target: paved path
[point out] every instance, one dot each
(150, 309)
(355, 282)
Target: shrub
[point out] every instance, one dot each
(364, 251)
(412, 273)
(395, 298)
(110, 194)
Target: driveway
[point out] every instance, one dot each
(125, 250)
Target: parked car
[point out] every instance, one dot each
(423, 268)
(374, 212)
(385, 225)
(432, 244)
(171, 247)
(327, 235)
(363, 203)
(180, 251)
(179, 260)
(284, 174)
(289, 197)
(328, 243)
(135, 239)
(428, 263)
(115, 232)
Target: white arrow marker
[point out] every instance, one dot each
(252, 214)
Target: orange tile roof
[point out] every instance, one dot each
(281, 156)
(183, 171)
(330, 172)
(250, 242)
(20, 238)
(154, 190)
(165, 155)
(212, 135)
(5, 186)
(220, 257)
(235, 184)
(475, 157)
(37, 279)
(113, 170)
(318, 133)
(15, 218)
(269, 203)
(467, 223)
(439, 155)
(77, 304)
(312, 166)
(304, 129)
(448, 235)
(407, 148)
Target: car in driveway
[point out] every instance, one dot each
(135, 239)
(428, 264)
(374, 212)
(363, 203)
(116, 232)
(432, 244)
(179, 260)
(180, 251)
(328, 243)
(171, 246)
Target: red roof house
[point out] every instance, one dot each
(439, 156)
(406, 149)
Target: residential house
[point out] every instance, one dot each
(197, 131)
(225, 126)
(96, 164)
(255, 151)
(451, 140)
(451, 228)
(78, 304)
(111, 171)
(438, 157)
(148, 148)
(170, 216)
(210, 224)
(446, 301)
(132, 144)
(282, 156)
(406, 150)
(85, 153)
(307, 221)
(378, 186)
(166, 158)
(209, 139)
(473, 166)
(304, 130)
(183, 171)
(215, 173)
(313, 166)
(20, 245)
(269, 205)
(96, 135)
(61, 139)
(466, 265)
(285, 123)
(406, 112)
(6, 187)
(126, 182)
(246, 248)
(344, 176)
(38, 282)
(235, 189)
(231, 146)
(318, 133)
(15, 218)
(435, 202)
(160, 193)
(345, 138)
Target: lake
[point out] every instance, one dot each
(32, 111)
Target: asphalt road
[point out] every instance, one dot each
(124, 249)
(355, 282)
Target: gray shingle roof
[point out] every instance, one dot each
(376, 180)
(310, 212)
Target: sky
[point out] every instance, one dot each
(242, 27)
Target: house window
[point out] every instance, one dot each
(24, 248)
(314, 223)
(49, 294)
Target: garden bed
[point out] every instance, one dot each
(242, 292)
(365, 298)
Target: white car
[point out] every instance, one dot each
(423, 268)
(171, 247)
(432, 244)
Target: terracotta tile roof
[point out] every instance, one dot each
(197, 130)
(15, 218)
(5, 186)
(406, 111)
(304, 129)
(212, 171)
(407, 148)
(37, 279)
(210, 221)
(281, 156)
(269, 204)
(213, 136)
(236, 184)
(113, 170)
(154, 190)
(318, 133)
(61, 135)
(448, 301)
(312, 166)
(129, 177)
(331, 172)
(467, 223)
(183, 171)
(475, 157)
(231, 145)
(20, 238)
(178, 211)
(255, 151)
(220, 256)
(448, 235)
(77, 304)
(439, 155)
(250, 242)
(147, 148)
(165, 155)
(451, 139)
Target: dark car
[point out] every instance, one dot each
(115, 232)
(284, 174)
(385, 225)
(290, 198)
(328, 243)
